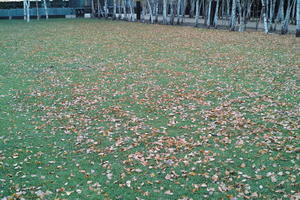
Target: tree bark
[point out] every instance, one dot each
(298, 19)
(192, 10)
(241, 28)
(156, 11)
(216, 15)
(93, 8)
(285, 23)
(228, 11)
(233, 15)
(37, 10)
(265, 16)
(115, 9)
(165, 12)
(105, 9)
(131, 10)
(172, 12)
(150, 12)
(208, 14)
(124, 10)
(183, 10)
(197, 14)
(178, 11)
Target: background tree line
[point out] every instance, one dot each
(275, 15)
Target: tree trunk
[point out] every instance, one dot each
(264, 16)
(228, 11)
(272, 8)
(197, 14)
(37, 10)
(150, 12)
(98, 8)
(178, 11)
(172, 12)
(106, 9)
(124, 10)
(165, 12)
(298, 19)
(192, 10)
(131, 10)
(93, 8)
(208, 14)
(26, 6)
(119, 9)
(183, 10)
(115, 9)
(241, 28)
(222, 11)
(233, 15)
(216, 15)
(285, 23)
(156, 11)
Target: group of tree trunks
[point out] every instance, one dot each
(234, 14)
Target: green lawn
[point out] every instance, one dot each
(95, 109)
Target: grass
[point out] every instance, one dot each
(95, 109)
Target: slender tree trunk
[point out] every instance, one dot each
(222, 11)
(264, 16)
(183, 10)
(172, 12)
(272, 8)
(37, 10)
(156, 11)
(192, 10)
(46, 9)
(294, 12)
(28, 10)
(98, 8)
(285, 23)
(216, 15)
(165, 12)
(178, 11)
(241, 28)
(131, 10)
(119, 9)
(115, 9)
(233, 15)
(197, 14)
(279, 16)
(228, 11)
(124, 10)
(93, 8)
(208, 14)
(150, 12)
(24, 9)
(298, 19)
(106, 8)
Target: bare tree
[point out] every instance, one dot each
(37, 10)
(208, 14)
(285, 22)
(124, 9)
(115, 9)
(233, 16)
(93, 8)
(26, 6)
(165, 12)
(298, 19)
(150, 12)
(197, 13)
(216, 15)
(264, 13)
(105, 8)
(179, 5)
